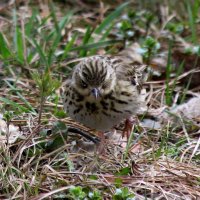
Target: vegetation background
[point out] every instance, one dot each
(40, 155)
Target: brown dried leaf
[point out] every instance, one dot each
(10, 133)
(190, 109)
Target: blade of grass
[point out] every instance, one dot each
(69, 45)
(105, 35)
(14, 105)
(180, 70)
(29, 26)
(129, 143)
(108, 22)
(54, 46)
(190, 78)
(57, 33)
(57, 28)
(4, 50)
(111, 17)
(65, 20)
(96, 45)
(40, 52)
(61, 25)
(192, 19)
(86, 39)
(21, 97)
(58, 37)
(168, 91)
(186, 89)
(18, 40)
(19, 46)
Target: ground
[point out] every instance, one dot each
(43, 155)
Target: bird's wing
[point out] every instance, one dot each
(128, 71)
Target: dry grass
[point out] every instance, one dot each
(43, 160)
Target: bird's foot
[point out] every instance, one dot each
(128, 127)
(101, 147)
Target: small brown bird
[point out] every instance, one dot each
(103, 91)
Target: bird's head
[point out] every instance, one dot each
(94, 76)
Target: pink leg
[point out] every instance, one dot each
(101, 147)
(128, 127)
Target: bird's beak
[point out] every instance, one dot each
(95, 92)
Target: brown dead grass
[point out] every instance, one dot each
(163, 163)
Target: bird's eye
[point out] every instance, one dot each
(83, 84)
(85, 75)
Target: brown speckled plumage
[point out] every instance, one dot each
(117, 86)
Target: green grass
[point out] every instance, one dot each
(193, 9)
(42, 162)
(168, 72)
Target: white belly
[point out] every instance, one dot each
(94, 114)
(100, 119)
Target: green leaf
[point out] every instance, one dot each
(123, 194)
(55, 144)
(93, 177)
(118, 182)
(124, 171)
(77, 192)
(95, 195)
(59, 126)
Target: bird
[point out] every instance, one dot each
(102, 91)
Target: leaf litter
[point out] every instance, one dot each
(162, 161)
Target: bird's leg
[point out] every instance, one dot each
(128, 127)
(101, 147)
